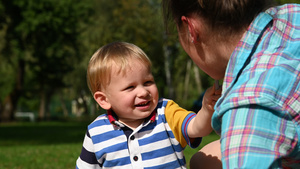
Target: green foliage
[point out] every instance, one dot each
(50, 29)
(41, 45)
(54, 40)
(45, 47)
(287, 1)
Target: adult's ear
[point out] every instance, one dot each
(193, 32)
(102, 100)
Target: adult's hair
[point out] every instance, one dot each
(220, 15)
(117, 55)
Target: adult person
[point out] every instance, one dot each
(255, 49)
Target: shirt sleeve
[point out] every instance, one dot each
(254, 137)
(87, 158)
(178, 120)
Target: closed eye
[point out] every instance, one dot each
(129, 88)
(148, 83)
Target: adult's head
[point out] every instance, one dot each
(209, 30)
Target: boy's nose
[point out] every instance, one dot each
(143, 92)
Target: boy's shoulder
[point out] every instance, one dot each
(101, 120)
(162, 102)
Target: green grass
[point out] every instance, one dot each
(39, 156)
(188, 151)
(40, 145)
(49, 145)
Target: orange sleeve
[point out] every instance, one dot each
(176, 118)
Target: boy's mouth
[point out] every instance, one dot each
(143, 104)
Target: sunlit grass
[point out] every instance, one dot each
(49, 145)
(40, 145)
(39, 156)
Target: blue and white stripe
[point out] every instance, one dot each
(154, 145)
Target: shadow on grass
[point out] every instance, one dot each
(42, 133)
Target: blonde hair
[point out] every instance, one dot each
(118, 54)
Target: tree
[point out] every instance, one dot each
(41, 45)
(46, 45)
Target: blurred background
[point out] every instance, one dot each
(45, 46)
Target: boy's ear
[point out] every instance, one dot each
(102, 100)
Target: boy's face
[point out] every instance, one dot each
(133, 96)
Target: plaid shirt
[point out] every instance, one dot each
(258, 115)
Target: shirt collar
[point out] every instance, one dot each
(113, 118)
(246, 46)
(243, 52)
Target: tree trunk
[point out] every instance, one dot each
(168, 72)
(41, 114)
(9, 106)
(84, 103)
(198, 79)
(187, 79)
(63, 106)
(7, 113)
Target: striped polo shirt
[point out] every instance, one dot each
(157, 143)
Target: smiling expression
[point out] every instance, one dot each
(133, 95)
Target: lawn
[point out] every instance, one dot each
(49, 145)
